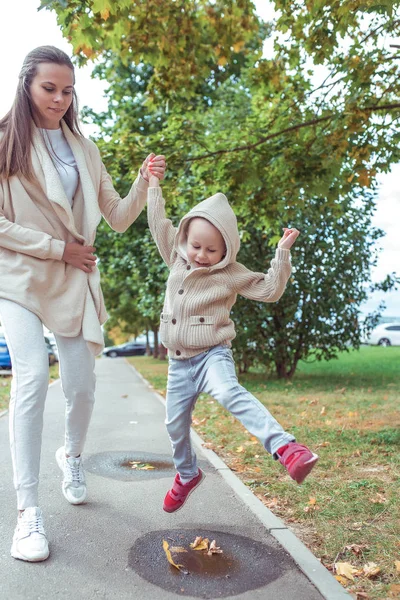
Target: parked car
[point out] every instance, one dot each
(128, 349)
(51, 341)
(386, 334)
(5, 359)
(53, 358)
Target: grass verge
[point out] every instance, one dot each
(347, 410)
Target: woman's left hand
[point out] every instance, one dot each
(153, 165)
(288, 239)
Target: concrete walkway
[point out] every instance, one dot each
(111, 547)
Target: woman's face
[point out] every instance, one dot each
(51, 93)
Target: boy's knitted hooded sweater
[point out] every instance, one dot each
(198, 301)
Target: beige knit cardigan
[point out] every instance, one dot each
(198, 301)
(36, 221)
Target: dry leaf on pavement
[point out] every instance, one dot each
(214, 549)
(200, 543)
(169, 557)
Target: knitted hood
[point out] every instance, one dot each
(215, 209)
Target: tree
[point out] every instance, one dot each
(285, 149)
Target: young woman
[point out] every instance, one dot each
(54, 190)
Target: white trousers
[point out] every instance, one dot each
(30, 369)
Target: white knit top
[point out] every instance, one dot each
(63, 159)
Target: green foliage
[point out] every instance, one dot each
(288, 144)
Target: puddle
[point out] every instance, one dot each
(130, 466)
(245, 564)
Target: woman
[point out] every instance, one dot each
(53, 191)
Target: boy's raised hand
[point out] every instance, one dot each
(288, 239)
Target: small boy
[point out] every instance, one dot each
(196, 329)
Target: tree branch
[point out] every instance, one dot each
(287, 130)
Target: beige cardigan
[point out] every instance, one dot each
(35, 224)
(196, 313)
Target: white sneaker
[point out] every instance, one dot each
(74, 483)
(29, 541)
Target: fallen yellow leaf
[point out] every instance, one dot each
(240, 449)
(177, 549)
(169, 557)
(200, 543)
(371, 569)
(345, 569)
(397, 565)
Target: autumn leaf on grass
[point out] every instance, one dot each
(169, 557)
(312, 505)
(239, 449)
(379, 499)
(214, 549)
(394, 590)
(397, 565)
(345, 569)
(371, 569)
(200, 543)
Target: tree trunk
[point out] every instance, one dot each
(148, 349)
(155, 353)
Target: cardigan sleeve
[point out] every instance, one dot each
(161, 228)
(264, 287)
(28, 241)
(119, 212)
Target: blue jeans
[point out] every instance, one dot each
(213, 372)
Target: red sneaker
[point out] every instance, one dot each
(298, 460)
(179, 493)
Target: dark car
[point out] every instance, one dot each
(128, 349)
(5, 359)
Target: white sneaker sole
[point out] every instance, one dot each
(71, 499)
(15, 554)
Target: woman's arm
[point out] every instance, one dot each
(119, 212)
(28, 241)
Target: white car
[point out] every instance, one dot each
(386, 334)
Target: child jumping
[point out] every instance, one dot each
(196, 329)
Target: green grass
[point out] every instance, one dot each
(5, 384)
(348, 411)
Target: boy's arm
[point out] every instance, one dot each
(264, 287)
(161, 228)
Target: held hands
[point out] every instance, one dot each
(80, 256)
(153, 169)
(288, 239)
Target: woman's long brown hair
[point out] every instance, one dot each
(16, 126)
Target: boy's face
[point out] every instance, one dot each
(205, 244)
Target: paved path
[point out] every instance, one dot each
(111, 547)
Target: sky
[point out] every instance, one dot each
(24, 28)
